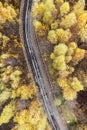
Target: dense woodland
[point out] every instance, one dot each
(63, 23)
(20, 108)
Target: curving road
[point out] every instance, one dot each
(40, 77)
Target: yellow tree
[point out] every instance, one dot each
(32, 118)
(7, 13)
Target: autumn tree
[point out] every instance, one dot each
(67, 29)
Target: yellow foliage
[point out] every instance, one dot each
(4, 39)
(49, 15)
(70, 87)
(63, 35)
(72, 45)
(52, 37)
(82, 77)
(83, 34)
(64, 8)
(54, 25)
(25, 126)
(2, 86)
(5, 95)
(7, 55)
(32, 118)
(71, 48)
(60, 18)
(39, 28)
(79, 6)
(8, 113)
(64, 54)
(15, 78)
(82, 19)
(76, 84)
(59, 63)
(7, 13)
(5, 76)
(16, 92)
(69, 21)
(69, 94)
(78, 55)
(25, 91)
(38, 10)
(10, 73)
(59, 35)
(60, 49)
(52, 56)
(58, 57)
(68, 58)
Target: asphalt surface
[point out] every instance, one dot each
(39, 73)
